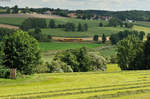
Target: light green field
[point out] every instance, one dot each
(2, 10)
(140, 28)
(46, 46)
(90, 33)
(112, 84)
(142, 23)
(92, 24)
(12, 21)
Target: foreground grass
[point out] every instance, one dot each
(91, 85)
(46, 46)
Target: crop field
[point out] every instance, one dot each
(142, 23)
(90, 33)
(92, 85)
(63, 46)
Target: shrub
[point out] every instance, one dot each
(4, 72)
(59, 66)
(77, 60)
(97, 62)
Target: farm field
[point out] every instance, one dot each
(142, 23)
(63, 46)
(91, 85)
(92, 24)
(90, 33)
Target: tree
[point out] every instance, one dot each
(20, 51)
(95, 38)
(80, 27)
(15, 9)
(52, 23)
(129, 25)
(146, 50)
(141, 35)
(101, 24)
(8, 10)
(85, 27)
(115, 22)
(69, 27)
(103, 38)
(33, 23)
(127, 51)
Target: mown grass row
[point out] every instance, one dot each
(75, 85)
(80, 91)
(88, 92)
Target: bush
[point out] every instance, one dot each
(59, 67)
(97, 62)
(4, 72)
(77, 60)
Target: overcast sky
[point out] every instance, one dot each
(82, 4)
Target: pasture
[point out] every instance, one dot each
(46, 46)
(113, 84)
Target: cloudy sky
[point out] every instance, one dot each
(82, 4)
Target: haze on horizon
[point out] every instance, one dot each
(112, 5)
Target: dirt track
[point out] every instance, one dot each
(30, 15)
(9, 26)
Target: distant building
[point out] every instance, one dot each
(72, 15)
(130, 21)
(48, 13)
(106, 18)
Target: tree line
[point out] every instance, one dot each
(133, 54)
(115, 38)
(31, 23)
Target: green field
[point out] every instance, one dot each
(12, 21)
(90, 33)
(92, 24)
(112, 84)
(63, 46)
(142, 23)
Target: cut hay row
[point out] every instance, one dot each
(130, 83)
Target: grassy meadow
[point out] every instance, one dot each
(112, 84)
(46, 46)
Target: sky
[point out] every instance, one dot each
(112, 5)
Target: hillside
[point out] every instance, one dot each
(93, 28)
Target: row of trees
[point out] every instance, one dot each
(114, 22)
(31, 23)
(133, 54)
(69, 26)
(114, 38)
(96, 38)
